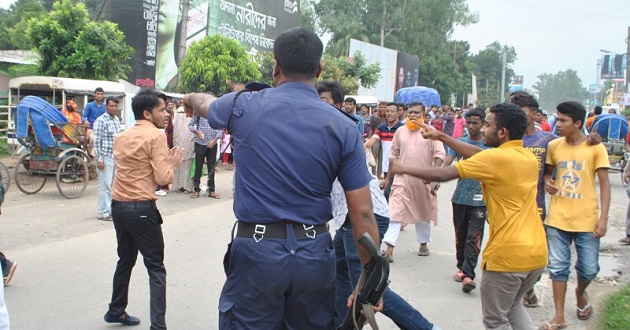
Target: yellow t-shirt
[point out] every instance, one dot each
(508, 176)
(574, 208)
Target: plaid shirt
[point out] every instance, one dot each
(209, 133)
(106, 129)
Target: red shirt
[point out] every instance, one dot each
(545, 126)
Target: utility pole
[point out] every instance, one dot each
(383, 20)
(181, 51)
(503, 60)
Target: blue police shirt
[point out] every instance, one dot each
(289, 148)
(468, 191)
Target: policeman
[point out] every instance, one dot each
(291, 147)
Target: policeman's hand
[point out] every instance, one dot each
(594, 139)
(353, 297)
(429, 133)
(550, 188)
(100, 165)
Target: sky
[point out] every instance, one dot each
(550, 36)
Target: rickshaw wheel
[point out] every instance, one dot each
(72, 176)
(28, 181)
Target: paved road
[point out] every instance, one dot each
(67, 258)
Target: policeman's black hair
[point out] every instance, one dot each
(298, 52)
(146, 99)
(574, 110)
(511, 117)
(332, 86)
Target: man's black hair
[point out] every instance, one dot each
(334, 87)
(434, 106)
(352, 100)
(404, 106)
(113, 99)
(146, 99)
(476, 112)
(99, 89)
(392, 104)
(416, 104)
(574, 110)
(298, 52)
(519, 93)
(525, 100)
(598, 110)
(511, 117)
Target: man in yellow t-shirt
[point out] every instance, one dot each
(516, 252)
(573, 212)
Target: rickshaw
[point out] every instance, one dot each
(55, 147)
(614, 129)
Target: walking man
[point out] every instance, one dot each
(142, 162)
(206, 148)
(106, 128)
(516, 252)
(469, 209)
(284, 175)
(574, 214)
(412, 200)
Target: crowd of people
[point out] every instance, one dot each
(284, 269)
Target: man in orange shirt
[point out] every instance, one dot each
(590, 120)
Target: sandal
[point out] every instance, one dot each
(214, 195)
(625, 241)
(530, 299)
(584, 309)
(552, 326)
(195, 195)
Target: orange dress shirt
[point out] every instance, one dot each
(142, 163)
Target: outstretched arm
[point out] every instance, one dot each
(433, 174)
(464, 149)
(199, 103)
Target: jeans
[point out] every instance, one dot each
(202, 152)
(139, 229)
(349, 269)
(104, 189)
(586, 246)
(469, 222)
(279, 283)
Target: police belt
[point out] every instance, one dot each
(278, 230)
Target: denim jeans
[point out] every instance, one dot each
(104, 189)
(586, 246)
(348, 271)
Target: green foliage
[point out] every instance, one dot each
(213, 61)
(487, 66)
(15, 71)
(419, 27)
(70, 45)
(265, 65)
(615, 314)
(14, 21)
(308, 18)
(351, 71)
(553, 89)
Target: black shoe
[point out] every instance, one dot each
(125, 319)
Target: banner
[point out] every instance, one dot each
(613, 66)
(406, 70)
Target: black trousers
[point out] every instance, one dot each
(469, 222)
(139, 229)
(202, 152)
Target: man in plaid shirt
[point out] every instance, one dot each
(106, 128)
(205, 149)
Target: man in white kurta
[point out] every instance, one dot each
(413, 200)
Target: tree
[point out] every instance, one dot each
(14, 21)
(70, 45)
(487, 66)
(553, 89)
(420, 27)
(212, 62)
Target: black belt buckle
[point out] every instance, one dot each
(259, 230)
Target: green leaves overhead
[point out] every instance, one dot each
(553, 89)
(214, 61)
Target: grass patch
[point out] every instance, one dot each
(4, 148)
(616, 310)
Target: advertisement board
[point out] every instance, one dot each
(387, 59)
(406, 70)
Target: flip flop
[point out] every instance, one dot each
(195, 195)
(552, 326)
(625, 241)
(588, 306)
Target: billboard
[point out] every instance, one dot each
(388, 60)
(152, 28)
(406, 70)
(614, 66)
